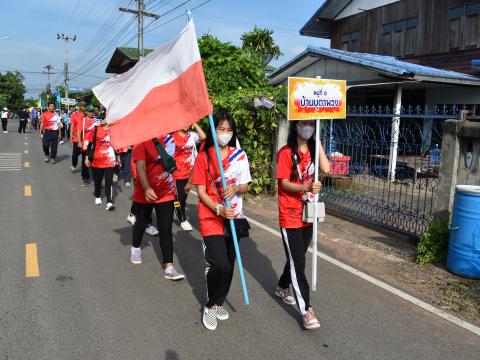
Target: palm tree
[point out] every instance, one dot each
(259, 42)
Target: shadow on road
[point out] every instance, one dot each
(189, 252)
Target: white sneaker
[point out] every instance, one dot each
(131, 219)
(5, 132)
(209, 318)
(136, 255)
(115, 178)
(61, 142)
(127, 184)
(98, 201)
(110, 206)
(186, 226)
(151, 230)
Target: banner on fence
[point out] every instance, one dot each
(67, 101)
(310, 99)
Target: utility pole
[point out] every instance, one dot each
(140, 12)
(49, 73)
(66, 39)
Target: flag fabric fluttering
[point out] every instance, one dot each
(164, 92)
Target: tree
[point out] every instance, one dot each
(12, 90)
(30, 102)
(259, 42)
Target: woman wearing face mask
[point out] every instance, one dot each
(103, 164)
(212, 213)
(295, 173)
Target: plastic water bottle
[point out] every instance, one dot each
(435, 155)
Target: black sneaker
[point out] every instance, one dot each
(84, 183)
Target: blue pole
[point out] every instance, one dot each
(232, 224)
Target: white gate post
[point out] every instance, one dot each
(392, 159)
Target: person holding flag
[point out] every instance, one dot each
(49, 128)
(218, 244)
(155, 189)
(295, 174)
(185, 154)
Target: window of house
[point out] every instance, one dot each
(412, 23)
(472, 9)
(350, 40)
(387, 28)
(346, 37)
(399, 25)
(457, 11)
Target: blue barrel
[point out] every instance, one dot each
(464, 247)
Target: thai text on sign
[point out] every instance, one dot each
(310, 99)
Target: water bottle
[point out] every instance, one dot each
(435, 155)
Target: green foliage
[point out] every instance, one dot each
(12, 90)
(30, 102)
(260, 43)
(234, 78)
(433, 244)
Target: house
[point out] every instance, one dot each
(123, 59)
(443, 34)
(408, 67)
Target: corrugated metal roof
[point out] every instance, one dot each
(386, 64)
(132, 53)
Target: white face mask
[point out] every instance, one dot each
(305, 132)
(224, 139)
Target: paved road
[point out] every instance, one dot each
(90, 302)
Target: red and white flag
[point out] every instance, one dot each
(162, 93)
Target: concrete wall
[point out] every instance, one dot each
(459, 137)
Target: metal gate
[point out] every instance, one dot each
(367, 183)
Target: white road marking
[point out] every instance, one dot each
(10, 161)
(422, 304)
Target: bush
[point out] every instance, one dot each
(433, 244)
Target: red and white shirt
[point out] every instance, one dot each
(290, 204)
(50, 120)
(86, 125)
(206, 172)
(160, 180)
(104, 155)
(75, 120)
(185, 153)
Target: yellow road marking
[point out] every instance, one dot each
(27, 164)
(26, 144)
(28, 190)
(25, 137)
(31, 260)
(25, 152)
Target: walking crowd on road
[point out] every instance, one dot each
(162, 172)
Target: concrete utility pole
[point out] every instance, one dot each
(49, 73)
(140, 12)
(66, 39)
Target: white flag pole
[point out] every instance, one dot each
(315, 210)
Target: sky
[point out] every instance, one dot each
(32, 26)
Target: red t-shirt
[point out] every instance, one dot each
(50, 120)
(185, 151)
(290, 204)
(104, 155)
(86, 125)
(75, 120)
(237, 172)
(160, 180)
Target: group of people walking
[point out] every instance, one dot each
(164, 169)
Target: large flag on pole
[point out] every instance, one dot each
(162, 93)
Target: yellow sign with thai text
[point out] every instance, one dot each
(311, 99)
